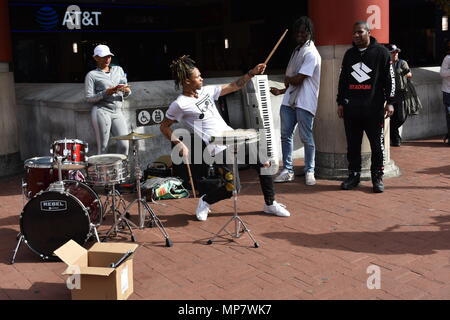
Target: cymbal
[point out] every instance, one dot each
(134, 136)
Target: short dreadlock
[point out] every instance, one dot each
(182, 69)
(309, 27)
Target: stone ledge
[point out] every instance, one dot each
(334, 167)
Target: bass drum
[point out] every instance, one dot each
(53, 217)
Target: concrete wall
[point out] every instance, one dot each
(431, 120)
(50, 112)
(9, 141)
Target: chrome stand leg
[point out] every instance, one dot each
(19, 242)
(94, 228)
(143, 206)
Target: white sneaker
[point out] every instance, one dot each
(310, 180)
(277, 209)
(284, 176)
(202, 210)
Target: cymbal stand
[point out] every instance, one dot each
(240, 226)
(143, 207)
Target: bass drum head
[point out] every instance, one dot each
(51, 219)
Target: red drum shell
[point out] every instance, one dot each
(73, 151)
(39, 174)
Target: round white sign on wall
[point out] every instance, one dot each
(144, 117)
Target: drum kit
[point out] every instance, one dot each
(62, 204)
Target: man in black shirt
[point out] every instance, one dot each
(366, 82)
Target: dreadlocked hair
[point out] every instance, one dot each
(309, 27)
(182, 69)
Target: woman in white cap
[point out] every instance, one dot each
(106, 87)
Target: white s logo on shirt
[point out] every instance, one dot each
(360, 72)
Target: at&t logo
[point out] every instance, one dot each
(47, 18)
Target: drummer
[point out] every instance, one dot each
(195, 108)
(106, 87)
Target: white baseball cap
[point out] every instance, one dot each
(102, 51)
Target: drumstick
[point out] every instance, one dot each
(276, 46)
(190, 177)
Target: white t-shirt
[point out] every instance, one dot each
(189, 110)
(307, 61)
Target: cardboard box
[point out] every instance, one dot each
(91, 274)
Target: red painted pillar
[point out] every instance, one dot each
(333, 19)
(5, 36)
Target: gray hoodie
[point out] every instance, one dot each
(96, 83)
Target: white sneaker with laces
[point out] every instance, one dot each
(277, 209)
(202, 210)
(310, 180)
(284, 176)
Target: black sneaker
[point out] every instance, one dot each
(352, 181)
(377, 182)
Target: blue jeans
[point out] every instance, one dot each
(289, 119)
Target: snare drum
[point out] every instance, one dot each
(39, 174)
(73, 151)
(107, 169)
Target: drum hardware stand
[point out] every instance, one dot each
(58, 186)
(20, 239)
(94, 228)
(142, 204)
(119, 218)
(109, 199)
(24, 190)
(240, 226)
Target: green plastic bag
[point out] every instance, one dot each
(164, 188)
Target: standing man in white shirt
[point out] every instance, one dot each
(445, 74)
(299, 104)
(196, 109)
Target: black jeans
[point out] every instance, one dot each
(225, 167)
(355, 126)
(397, 120)
(446, 99)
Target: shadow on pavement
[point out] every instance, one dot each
(40, 291)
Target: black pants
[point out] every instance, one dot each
(224, 168)
(446, 98)
(397, 120)
(355, 126)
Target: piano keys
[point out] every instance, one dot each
(259, 114)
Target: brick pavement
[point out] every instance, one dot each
(321, 252)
